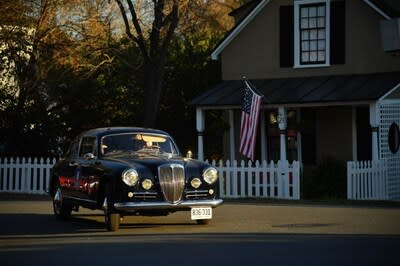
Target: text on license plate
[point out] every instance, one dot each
(201, 213)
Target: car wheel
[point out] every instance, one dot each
(203, 222)
(62, 209)
(111, 219)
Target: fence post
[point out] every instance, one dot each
(282, 176)
(349, 179)
(264, 177)
(11, 175)
(242, 179)
(221, 178)
(29, 175)
(18, 176)
(296, 180)
(2, 174)
(257, 172)
(249, 174)
(5, 175)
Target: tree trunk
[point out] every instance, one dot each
(154, 74)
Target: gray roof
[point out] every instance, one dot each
(303, 90)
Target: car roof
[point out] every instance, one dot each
(99, 132)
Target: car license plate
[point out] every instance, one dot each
(199, 213)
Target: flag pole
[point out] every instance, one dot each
(252, 87)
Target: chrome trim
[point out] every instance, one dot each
(145, 195)
(172, 181)
(137, 206)
(197, 194)
(105, 204)
(80, 199)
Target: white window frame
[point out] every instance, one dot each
(297, 52)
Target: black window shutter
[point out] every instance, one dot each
(338, 33)
(286, 36)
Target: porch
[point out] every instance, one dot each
(304, 120)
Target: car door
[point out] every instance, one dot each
(88, 169)
(67, 170)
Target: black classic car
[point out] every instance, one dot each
(131, 171)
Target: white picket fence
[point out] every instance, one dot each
(23, 175)
(367, 180)
(247, 180)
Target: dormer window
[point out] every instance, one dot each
(311, 33)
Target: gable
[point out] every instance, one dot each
(386, 8)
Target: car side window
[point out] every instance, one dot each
(88, 145)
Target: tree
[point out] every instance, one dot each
(190, 71)
(153, 25)
(153, 44)
(44, 45)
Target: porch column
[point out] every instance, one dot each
(374, 122)
(299, 146)
(200, 132)
(354, 132)
(282, 130)
(232, 149)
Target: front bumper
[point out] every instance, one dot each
(187, 204)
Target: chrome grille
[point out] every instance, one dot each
(172, 181)
(145, 195)
(197, 194)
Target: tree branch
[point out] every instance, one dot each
(140, 40)
(173, 18)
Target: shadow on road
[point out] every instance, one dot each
(38, 224)
(31, 224)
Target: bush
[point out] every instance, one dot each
(326, 181)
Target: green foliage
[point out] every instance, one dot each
(97, 82)
(190, 71)
(326, 181)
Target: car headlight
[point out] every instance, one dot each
(130, 177)
(196, 182)
(210, 175)
(147, 184)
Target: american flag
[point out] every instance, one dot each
(249, 122)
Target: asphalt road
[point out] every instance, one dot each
(240, 234)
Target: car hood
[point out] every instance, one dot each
(151, 162)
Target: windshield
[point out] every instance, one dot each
(137, 143)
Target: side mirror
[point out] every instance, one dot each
(89, 156)
(189, 154)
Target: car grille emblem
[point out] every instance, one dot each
(172, 181)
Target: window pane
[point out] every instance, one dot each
(321, 22)
(305, 57)
(321, 34)
(304, 12)
(304, 23)
(313, 56)
(304, 35)
(321, 11)
(313, 22)
(321, 45)
(313, 12)
(305, 46)
(313, 34)
(321, 56)
(313, 45)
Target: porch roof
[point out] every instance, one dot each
(345, 89)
